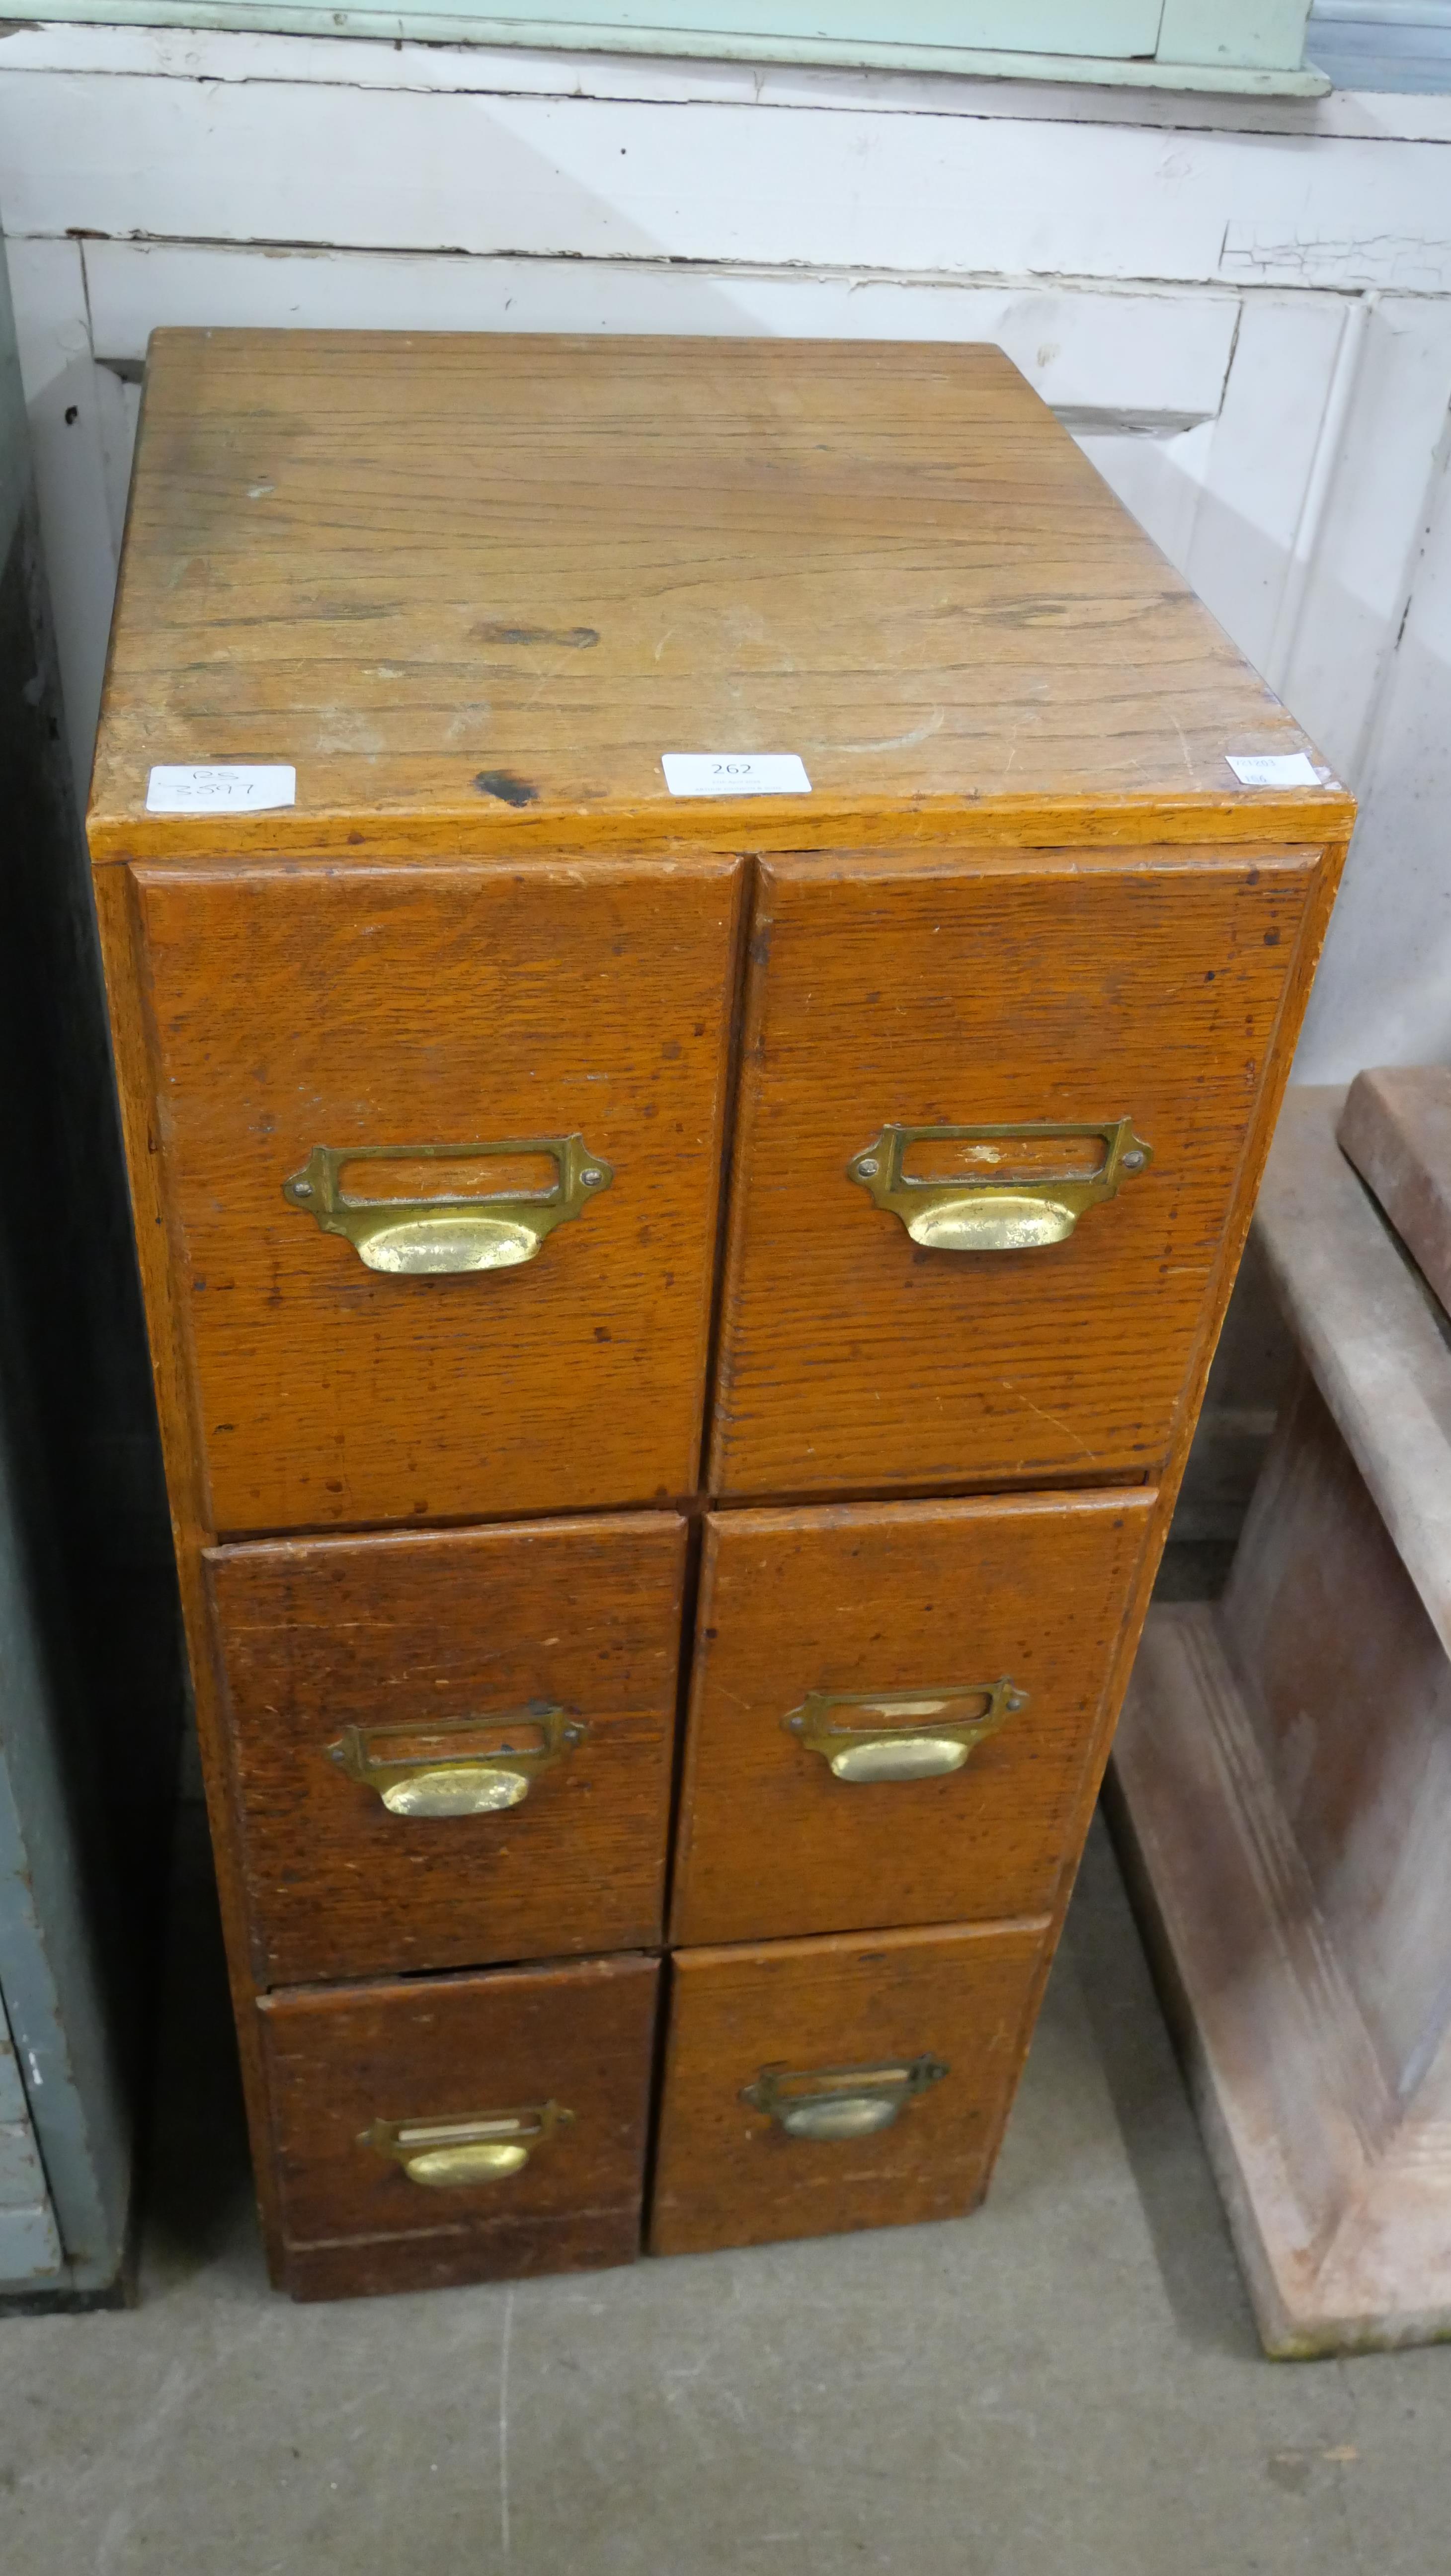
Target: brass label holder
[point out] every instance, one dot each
(965, 1214)
(473, 1767)
(833, 2104)
(443, 2155)
(918, 1734)
(448, 1235)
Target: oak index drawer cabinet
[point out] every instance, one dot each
(700, 1001)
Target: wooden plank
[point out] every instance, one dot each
(849, 28)
(1364, 564)
(1146, 364)
(1382, 997)
(1348, 1690)
(1396, 1129)
(287, 160)
(1265, 446)
(1250, 45)
(1338, 2219)
(155, 51)
(1371, 1332)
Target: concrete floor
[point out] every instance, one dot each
(1065, 2384)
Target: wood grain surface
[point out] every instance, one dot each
(1071, 987)
(182, 1456)
(911, 1596)
(473, 588)
(1396, 1129)
(477, 585)
(318, 1007)
(1283, 1795)
(727, 2174)
(1371, 1331)
(409, 1634)
(1347, 1695)
(458, 2048)
(508, 2249)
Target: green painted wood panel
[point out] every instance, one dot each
(1095, 28)
(1234, 32)
(1254, 46)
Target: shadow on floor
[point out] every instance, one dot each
(1181, 2205)
(197, 2185)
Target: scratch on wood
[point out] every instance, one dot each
(579, 639)
(894, 741)
(1065, 1427)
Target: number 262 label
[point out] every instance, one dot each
(734, 773)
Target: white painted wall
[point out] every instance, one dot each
(1242, 309)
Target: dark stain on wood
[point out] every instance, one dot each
(578, 639)
(509, 789)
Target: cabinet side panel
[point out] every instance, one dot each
(172, 1373)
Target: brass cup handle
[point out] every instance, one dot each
(832, 2104)
(917, 1734)
(444, 1237)
(966, 1214)
(443, 2154)
(479, 1767)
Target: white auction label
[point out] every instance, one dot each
(1272, 769)
(734, 773)
(213, 788)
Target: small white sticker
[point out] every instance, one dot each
(210, 789)
(734, 773)
(1273, 769)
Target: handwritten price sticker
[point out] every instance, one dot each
(213, 789)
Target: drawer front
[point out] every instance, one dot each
(895, 1709)
(813, 2086)
(461, 2128)
(452, 1749)
(309, 1025)
(1130, 1000)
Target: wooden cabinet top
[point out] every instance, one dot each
(473, 587)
